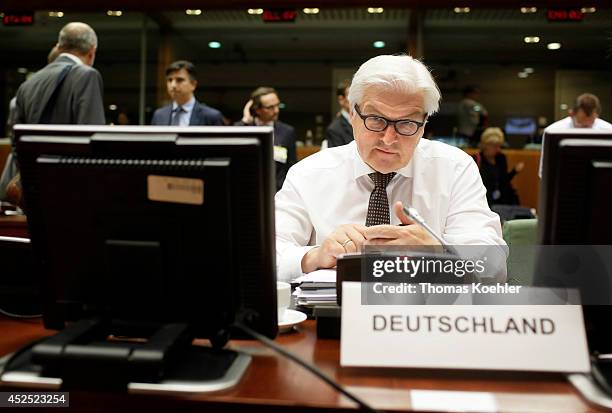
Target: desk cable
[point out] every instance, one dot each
(269, 343)
(13, 315)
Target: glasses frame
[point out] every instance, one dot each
(271, 107)
(389, 122)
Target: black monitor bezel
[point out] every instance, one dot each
(66, 134)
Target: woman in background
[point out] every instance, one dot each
(494, 169)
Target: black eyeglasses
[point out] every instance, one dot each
(404, 127)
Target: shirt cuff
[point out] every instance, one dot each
(290, 262)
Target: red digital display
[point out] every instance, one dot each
(564, 15)
(18, 19)
(279, 15)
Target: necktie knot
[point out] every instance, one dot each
(381, 180)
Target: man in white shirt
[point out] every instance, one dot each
(584, 115)
(336, 201)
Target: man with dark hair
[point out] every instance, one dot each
(184, 110)
(263, 109)
(340, 131)
(68, 90)
(584, 114)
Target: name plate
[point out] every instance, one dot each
(547, 338)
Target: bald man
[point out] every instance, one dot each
(67, 90)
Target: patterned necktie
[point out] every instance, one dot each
(177, 113)
(378, 208)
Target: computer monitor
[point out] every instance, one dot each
(575, 224)
(142, 227)
(521, 125)
(577, 168)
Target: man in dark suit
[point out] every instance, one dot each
(263, 109)
(185, 110)
(340, 131)
(68, 90)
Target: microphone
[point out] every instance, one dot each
(416, 217)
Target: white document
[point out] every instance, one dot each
(452, 401)
(318, 276)
(548, 338)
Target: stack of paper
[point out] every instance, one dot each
(316, 288)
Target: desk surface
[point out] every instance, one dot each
(280, 384)
(14, 226)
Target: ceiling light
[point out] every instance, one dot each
(193, 12)
(56, 14)
(375, 10)
(461, 9)
(528, 70)
(378, 44)
(588, 9)
(553, 46)
(114, 13)
(527, 10)
(531, 39)
(214, 45)
(22, 70)
(523, 75)
(112, 107)
(311, 11)
(255, 11)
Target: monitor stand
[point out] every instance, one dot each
(82, 357)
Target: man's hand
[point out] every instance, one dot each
(409, 233)
(519, 166)
(346, 238)
(246, 112)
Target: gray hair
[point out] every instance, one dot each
(399, 73)
(77, 37)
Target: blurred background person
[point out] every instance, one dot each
(472, 116)
(584, 114)
(185, 110)
(493, 167)
(68, 90)
(340, 132)
(262, 110)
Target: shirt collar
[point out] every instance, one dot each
(258, 122)
(72, 57)
(187, 107)
(345, 115)
(360, 168)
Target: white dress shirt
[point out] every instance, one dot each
(332, 187)
(565, 124)
(187, 109)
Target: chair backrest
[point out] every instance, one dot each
(521, 235)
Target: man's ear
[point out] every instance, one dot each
(91, 56)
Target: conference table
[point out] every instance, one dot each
(275, 384)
